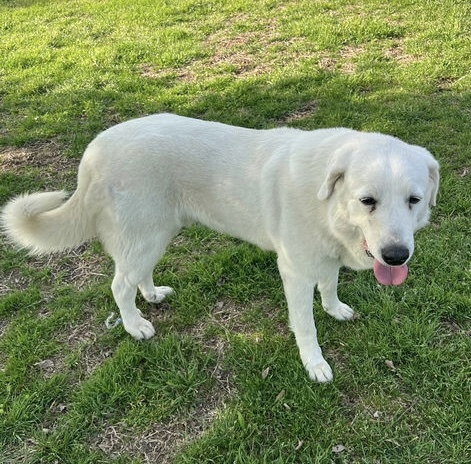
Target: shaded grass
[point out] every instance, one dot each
(221, 382)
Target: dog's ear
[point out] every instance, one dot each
(335, 170)
(434, 176)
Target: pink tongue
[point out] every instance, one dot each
(389, 275)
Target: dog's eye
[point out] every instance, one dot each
(414, 200)
(368, 201)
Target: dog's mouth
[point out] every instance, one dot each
(387, 275)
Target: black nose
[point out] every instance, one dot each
(395, 255)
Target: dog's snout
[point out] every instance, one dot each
(395, 255)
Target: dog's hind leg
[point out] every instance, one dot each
(124, 292)
(151, 293)
(134, 265)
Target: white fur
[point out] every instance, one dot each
(294, 192)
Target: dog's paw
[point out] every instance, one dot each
(320, 371)
(341, 312)
(158, 294)
(140, 328)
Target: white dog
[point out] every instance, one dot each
(320, 199)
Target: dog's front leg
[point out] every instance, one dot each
(299, 295)
(327, 285)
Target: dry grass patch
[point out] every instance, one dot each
(396, 53)
(82, 338)
(303, 112)
(55, 169)
(242, 52)
(162, 440)
(345, 61)
(255, 51)
(78, 268)
(13, 280)
(348, 56)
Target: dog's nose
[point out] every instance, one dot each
(395, 255)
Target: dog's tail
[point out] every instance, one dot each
(46, 222)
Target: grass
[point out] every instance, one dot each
(221, 382)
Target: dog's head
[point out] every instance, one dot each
(381, 190)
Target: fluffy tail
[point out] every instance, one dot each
(45, 222)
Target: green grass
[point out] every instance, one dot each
(222, 382)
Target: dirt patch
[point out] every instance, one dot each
(12, 281)
(78, 268)
(47, 157)
(344, 63)
(327, 63)
(451, 328)
(397, 53)
(348, 54)
(303, 112)
(242, 54)
(163, 440)
(229, 315)
(50, 366)
(237, 49)
(82, 338)
(183, 74)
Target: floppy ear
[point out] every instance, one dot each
(434, 180)
(335, 170)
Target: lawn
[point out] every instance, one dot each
(221, 382)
